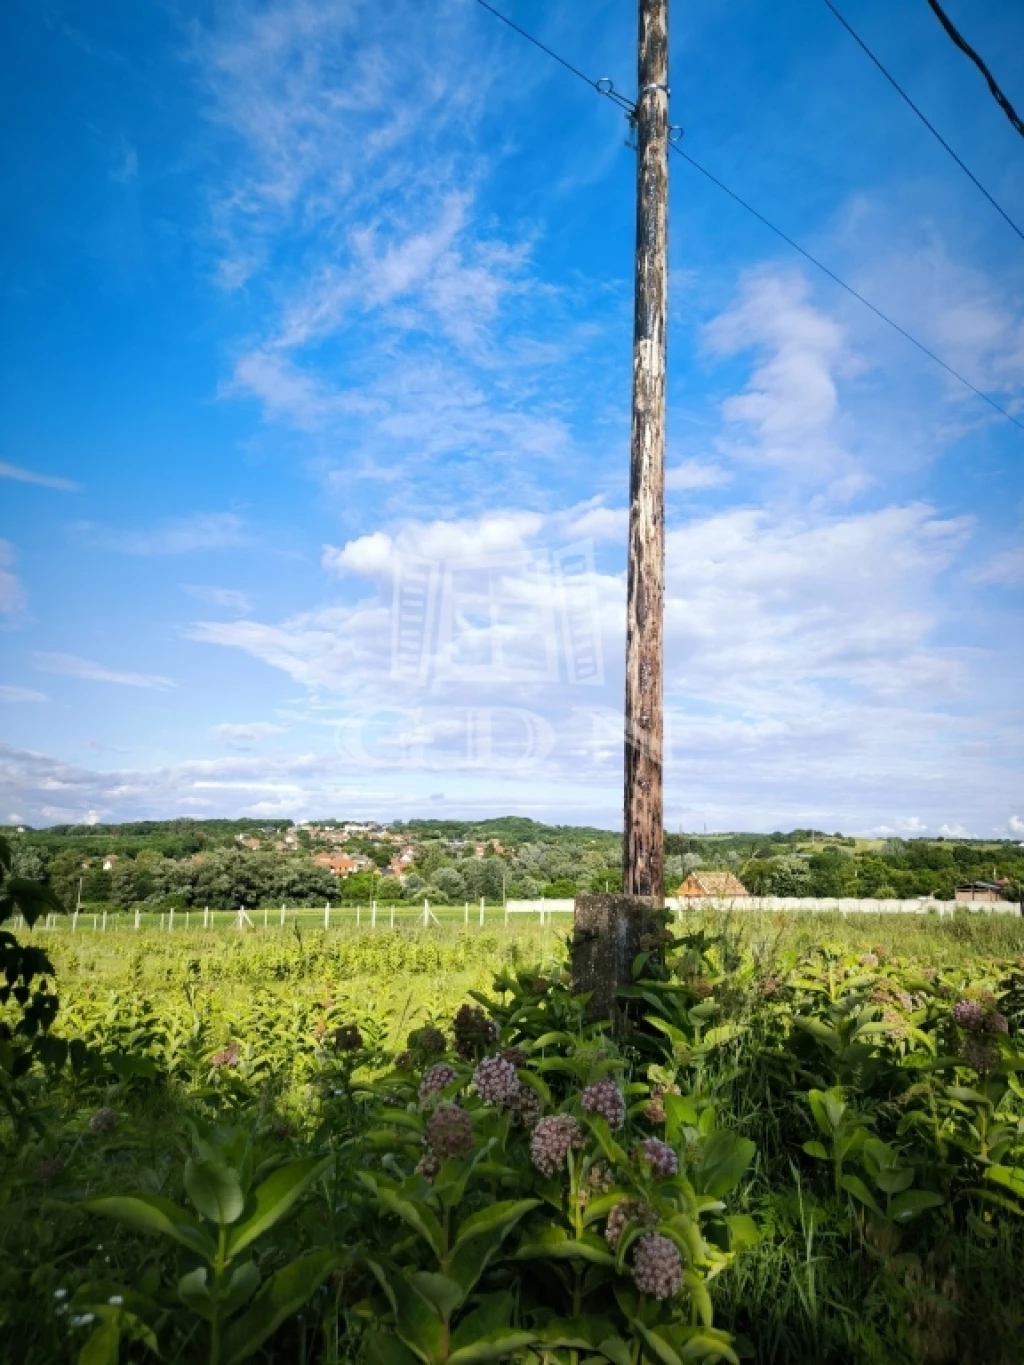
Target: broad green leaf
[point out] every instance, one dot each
(151, 1213)
(439, 1291)
(699, 1296)
(384, 1348)
(703, 1344)
(214, 1190)
(555, 1242)
(418, 1216)
(598, 1125)
(282, 1295)
(194, 1293)
(1010, 1177)
(500, 1345)
(492, 1314)
(103, 1347)
(536, 1083)
(895, 1181)
(680, 1113)
(853, 1184)
(903, 1207)
(575, 1334)
(273, 1199)
(820, 1032)
(743, 1231)
(417, 1322)
(816, 1149)
(658, 1347)
(723, 1159)
(472, 1258)
(500, 1215)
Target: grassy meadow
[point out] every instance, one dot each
(839, 1099)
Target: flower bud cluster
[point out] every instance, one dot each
(657, 1266)
(103, 1122)
(661, 1156)
(628, 1211)
(473, 1031)
(449, 1131)
(605, 1098)
(495, 1081)
(348, 1038)
(654, 1109)
(435, 1079)
(428, 1041)
(552, 1139)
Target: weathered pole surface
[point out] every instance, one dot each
(643, 828)
(610, 930)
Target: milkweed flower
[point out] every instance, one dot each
(605, 1098)
(657, 1266)
(495, 1081)
(552, 1139)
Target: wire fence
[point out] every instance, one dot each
(267, 918)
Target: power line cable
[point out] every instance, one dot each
(848, 287)
(924, 119)
(969, 51)
(604, 87)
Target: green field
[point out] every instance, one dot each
(851, 1160)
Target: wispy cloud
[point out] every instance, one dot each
(177, 536)
(1005, 569)
(231, 598)
(14, 471)
(9, 693)
(73, 666)
(245, 736)
(12, 595)
(691, 475)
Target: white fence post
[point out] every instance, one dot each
(481, 909)
(392, 916)
(206, 917)
(466, 916)
(264, 917)
(170, 920)
(138, 917)
(327, 915)
(104, 921)
(426, 913)
(74, 921)
(188, 919)
(373, 914)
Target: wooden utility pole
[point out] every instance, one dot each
(610, 930)
(643, 826)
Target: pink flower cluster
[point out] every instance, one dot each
(628, 1211)
(661, 1156)
(449, 1131)
(552, 1139)
(495, 1081)
(605, 1098)
(435, 1079)
(657, 1266)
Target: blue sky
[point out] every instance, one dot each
(305, 303)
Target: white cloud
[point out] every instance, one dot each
(12, 595)
(15, 820)
(18, 694)
(1015, 825)
(13, 471)
(791, 403)
(181, 535)
(245, 736)
(695, 474)
(1005, 568)
(74, 667)
(374, 556)
(231, 598)
(953, 831)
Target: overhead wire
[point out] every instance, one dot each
(924, 119)
(968, 51)
(629, 109)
